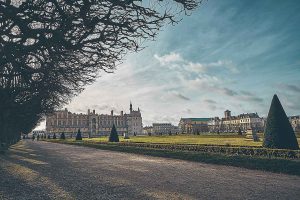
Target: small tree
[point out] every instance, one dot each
(240, 131)
(62, 136)
(78, 136)
(113, 135)
(278, 131)
(54, 136)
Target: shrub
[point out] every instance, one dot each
(49, 137)
(240, 132)
(62, 136)
(78, 136)
(113, 135)
(278, 131)
(54, 136)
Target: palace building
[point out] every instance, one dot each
(295, 122)
(193, 125)
(93, 124)
(241, 122)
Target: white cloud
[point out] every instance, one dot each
(168, 58)
(175, 60)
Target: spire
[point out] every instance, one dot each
(130, 106)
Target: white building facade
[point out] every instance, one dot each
(93, 124)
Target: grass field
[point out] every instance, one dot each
(278, 165)
(232, 140)
(187, 139)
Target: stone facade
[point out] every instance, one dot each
(93, 124)
(295, 122)
(148, 130)
(164, 128)
(161, 129)
(193, 125)
(235, 123)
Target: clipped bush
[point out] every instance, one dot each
(62, 136)
(279, 133)
(240, 131)
(78, 136)
(219, 149)
(113, 137)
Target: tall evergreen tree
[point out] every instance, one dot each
(240, 131)
(62, 136)
(78, 136)
(113, 135)
(278, 131)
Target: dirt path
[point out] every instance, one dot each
(41, 170)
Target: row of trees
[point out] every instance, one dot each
(114, 137)
(51, 49)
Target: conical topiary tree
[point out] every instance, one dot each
(113, 135)
(62, 136)
(279, 133)
(78, 136)
(240, 131)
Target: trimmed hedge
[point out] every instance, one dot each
(219, 149)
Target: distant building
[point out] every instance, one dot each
(235, 123)
(38, 132)
(93, 124)
(193, 125)
(295, 122)
(164, 128)
(148, 130)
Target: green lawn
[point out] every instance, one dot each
(232, 140)
(187, 139)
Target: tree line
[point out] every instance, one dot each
(51, 49)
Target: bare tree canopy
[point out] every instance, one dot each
(50, 49)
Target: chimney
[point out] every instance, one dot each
(112, 112)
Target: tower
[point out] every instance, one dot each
(227, 114)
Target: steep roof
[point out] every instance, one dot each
(197, 119)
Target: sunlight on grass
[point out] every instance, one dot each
(185, 139)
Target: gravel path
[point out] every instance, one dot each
(41, 170)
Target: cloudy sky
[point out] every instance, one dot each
(227, 55)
